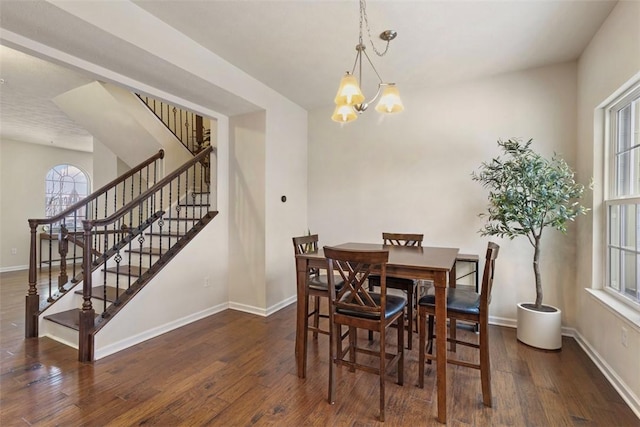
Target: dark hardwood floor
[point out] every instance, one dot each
(236, 369)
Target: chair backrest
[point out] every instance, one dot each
(305, 244)
(402, 239)
(354, 268)
(487, 276)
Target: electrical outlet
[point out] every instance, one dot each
(14, 251)
(624, 337)
(206, 282)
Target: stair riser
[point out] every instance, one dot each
(59, 333)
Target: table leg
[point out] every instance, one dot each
(302, 319)
(440, 284)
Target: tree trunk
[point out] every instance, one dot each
(536, 270)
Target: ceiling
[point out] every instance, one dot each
(298, 48)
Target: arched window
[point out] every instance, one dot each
(64, 186)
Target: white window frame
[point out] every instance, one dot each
(613, 199)
(47, 179)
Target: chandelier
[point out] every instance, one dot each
(350, 98)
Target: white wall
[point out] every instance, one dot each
(286, 175)
(105, 165)
(609, 63)
(23, 168)
(412, 173)
(247, 211)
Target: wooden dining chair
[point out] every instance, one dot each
(317, 283)
(406, 285)
(355, 306)
(466, 305)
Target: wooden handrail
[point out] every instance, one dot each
(97, 193)
(88, 224)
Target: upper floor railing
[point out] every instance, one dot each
(191, 129)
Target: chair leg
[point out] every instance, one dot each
(485, 364)
(353, 341)
(452, 334)
(422, 319)
(430, 338)
(410, 315)
(316, 316)
(400, 368)
(335, 345)
(383, 369)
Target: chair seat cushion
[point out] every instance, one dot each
(395, 304)
(321, 282)
(459, 300)
(392, 282)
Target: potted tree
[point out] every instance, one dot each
(527, 194)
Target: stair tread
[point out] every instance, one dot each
(147, 251)
(125, 269)
(163, 234)
(69, 318)
(183, 219)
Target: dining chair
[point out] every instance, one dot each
(466, 305)
(317, 283)
(406, 285)
(355, 306)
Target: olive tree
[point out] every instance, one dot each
(528, 193)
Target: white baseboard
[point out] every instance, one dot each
(261, 311)
(621, 387)
(14, 268)
(502, 321)
(152, 333)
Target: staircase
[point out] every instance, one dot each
(125, 233)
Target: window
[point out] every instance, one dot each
(623, 200)
(65, 185)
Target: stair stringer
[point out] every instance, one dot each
(176, 296)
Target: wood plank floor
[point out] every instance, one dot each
(236, 369)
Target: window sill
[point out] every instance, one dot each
(620, 309)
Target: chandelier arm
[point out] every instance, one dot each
(372, 66)
(376, 95)
(355, 63)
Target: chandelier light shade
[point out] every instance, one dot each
(390, 101)
(344, 114)
(349, 98)
(349, 92)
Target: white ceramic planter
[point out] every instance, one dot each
(540, 329)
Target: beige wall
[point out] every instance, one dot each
(23, 168)
(609, 63)
(412, 173)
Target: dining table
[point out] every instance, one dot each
(420, 263)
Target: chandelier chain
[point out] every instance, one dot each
(363, 14)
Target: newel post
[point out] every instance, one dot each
(32, 303)
(87, 314)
